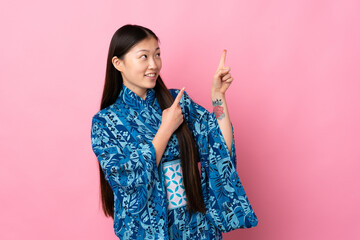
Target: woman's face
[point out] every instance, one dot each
(140, 66)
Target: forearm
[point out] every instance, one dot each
(222, 116)
(160, 142)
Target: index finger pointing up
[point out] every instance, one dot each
(222, 59)
(178, 97)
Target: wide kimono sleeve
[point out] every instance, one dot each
(227, 205)
(128, 163)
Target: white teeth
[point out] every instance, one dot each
(151, 75)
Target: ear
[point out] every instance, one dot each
(118, 63)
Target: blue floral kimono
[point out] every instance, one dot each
(150, 201)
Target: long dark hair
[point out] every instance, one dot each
(122, 41)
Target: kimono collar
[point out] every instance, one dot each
(132, 99)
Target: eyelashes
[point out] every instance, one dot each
(145, 56)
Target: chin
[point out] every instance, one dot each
(151, 85)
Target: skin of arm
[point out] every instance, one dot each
(223, 118)
(160, 142)
(221, 82)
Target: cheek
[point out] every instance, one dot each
(140, 67)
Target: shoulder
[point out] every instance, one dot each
(174, 91)
(103, 122)
(104, 113)
(185, 100)
(188, 104)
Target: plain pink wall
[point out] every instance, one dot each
(294, 105)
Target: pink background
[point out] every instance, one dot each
(294, 105)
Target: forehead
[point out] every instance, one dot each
(149, 44)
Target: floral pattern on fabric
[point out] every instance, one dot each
(121, 136)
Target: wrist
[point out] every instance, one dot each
(164, 132)
(217, 95)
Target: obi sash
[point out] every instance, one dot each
(174, 184)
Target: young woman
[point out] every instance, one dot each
(149, 140)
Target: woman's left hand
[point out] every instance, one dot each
(222, 78)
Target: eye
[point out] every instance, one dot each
(158, 54)
(143, 56)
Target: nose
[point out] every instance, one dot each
(152, 63)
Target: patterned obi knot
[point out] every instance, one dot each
(174, 184)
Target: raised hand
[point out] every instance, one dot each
(222, 78)
(172, 117)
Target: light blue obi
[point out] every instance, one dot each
(174, 184)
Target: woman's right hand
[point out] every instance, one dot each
(172, 117)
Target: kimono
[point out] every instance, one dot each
(150, 201)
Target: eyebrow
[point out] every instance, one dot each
(147, 50)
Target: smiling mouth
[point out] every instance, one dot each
(150, 75)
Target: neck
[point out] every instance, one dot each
(138, 91)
